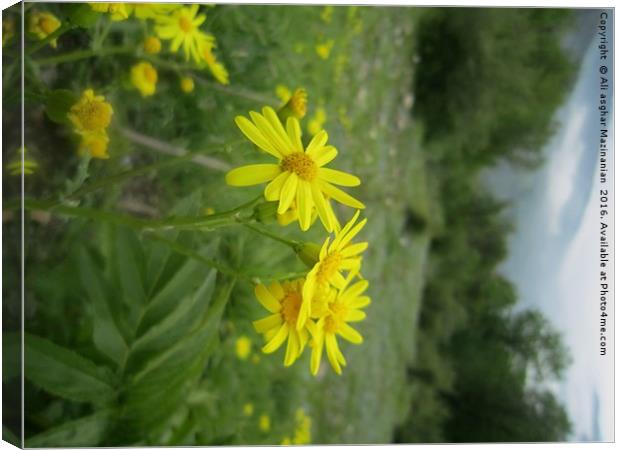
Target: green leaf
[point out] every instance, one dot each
(58, 103)
(129, 261)
(64, 373)
(85, 432)
(11, 356)
(175, 326)
(106, 334)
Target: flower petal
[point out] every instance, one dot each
(317, 143)
(266, 298)
(321, 207)
(272, 135)
(350, 334)
(351, 234)
(294, 133)
(325, 155)
(277, 340)
(341, 196)
(331, 345)
(317, 352)
(354, 249)
(252, 174)
(274, 189)
(276, 125)
(287, 195)
(252, 132)
(268, 323)
(338, 177)
(292, 349)
(355, 315)
(304, 204)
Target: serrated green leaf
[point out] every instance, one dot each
(106, 333)
(65, 373)
(85, 432)
(58, 103)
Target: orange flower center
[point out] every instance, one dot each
(290, 307)
(185, 24)
(337, 316)
(300, 164)
(94, 115)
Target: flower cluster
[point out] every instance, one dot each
(314, 310)
(42, 24)
(91, 115)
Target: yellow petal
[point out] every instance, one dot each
(268, 323)
(294, 133)
(321, 207)
(304, 204)
(317, 143)
(360, 302)
(266, 299)
(351, 234)
(350, 334)
(331, 345)
(317, 352)
(277, 340)
(274, 189)
(354, 249)
(292, 349)
(254, 134)
(252, 174)
(355, 315)
(276, 290)
(272, 135)
(341, 196)
(325, 155)
(338, 177)
(289, 189)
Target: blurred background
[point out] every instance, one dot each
(473, 133)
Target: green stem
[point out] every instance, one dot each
(83, 54)
(260, 230)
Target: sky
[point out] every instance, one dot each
(553, 253)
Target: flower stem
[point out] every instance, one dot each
(83, 54)
(260, 230)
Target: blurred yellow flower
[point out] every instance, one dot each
(42, 24)
(90, 113)
(182, 27)
(117, 11)
(144, 11)
(187, 84)
(217, 69)
(144, 78)
(152, 45)
(283, 93)
(324, 49)
(95, 143)
(264, 423)
(8, 29)
(296, 105)
(248, 409)
(303, 425)
(243, 347)
(299, 174)
(326, 13)
(286, 441)
(315, 125)
(345, 308)
(283, 302)
(16, 167)
(335, 258)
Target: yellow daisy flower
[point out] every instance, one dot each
(283, 302)
(217, 69)
(90, 113)
(95, 143)
(295, 106)
(117, 11)
(264, 423)
(335, 258)
(187, 84)
(152, 45)
(144, 78)
(42, 24)
(182, 27)
(345, 308)
(299, 175)
(243, 347)
(324, 49)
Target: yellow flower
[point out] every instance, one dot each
(324, 49)
(315, 125)
(8, 29)
(295, 106)
(345, 308)
(187, 84)
(152, 45)
(264, 423)
(326, 13)
(42, 24)
(299, 175)
(283, 93)
(335, 258)
(292, 215)
(217, 69)
(302, 429)
(283, 302)
(286, 441)
(16, 167)
(243, 347)
(117, 11)
(90, 113)
(144, 78)
(248, 409)
(144, 11)
(95, 143)
(182, 27)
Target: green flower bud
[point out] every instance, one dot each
(266, 212)
(309, 253)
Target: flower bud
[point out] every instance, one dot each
(266, 212)
(308, 253)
